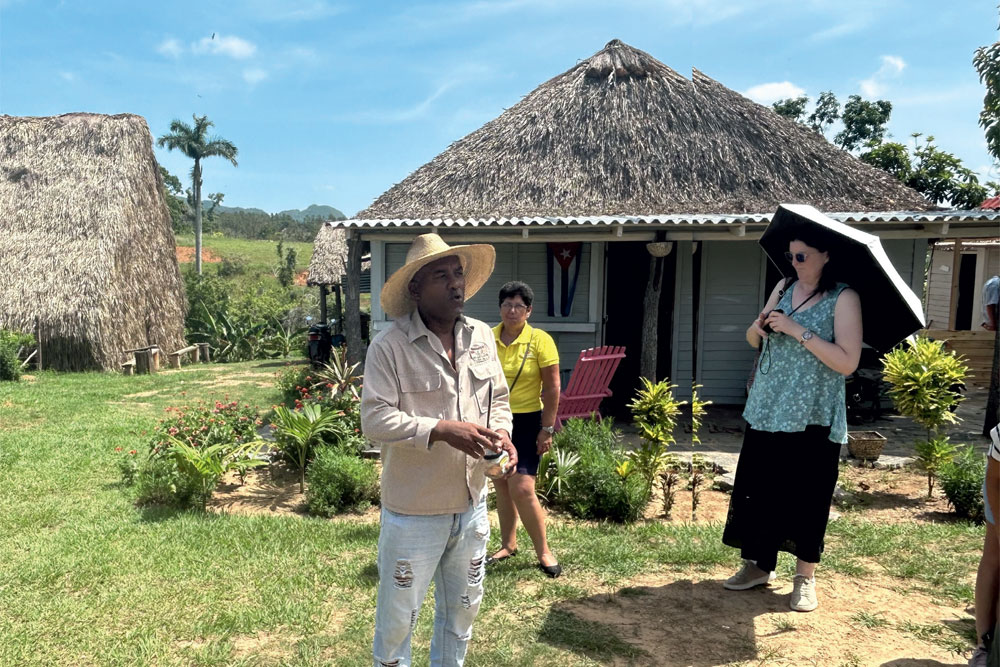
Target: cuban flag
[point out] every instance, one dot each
(563, 261)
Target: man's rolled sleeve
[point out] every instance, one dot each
(381, 419)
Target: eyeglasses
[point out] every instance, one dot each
(516, 307)
(799, 257)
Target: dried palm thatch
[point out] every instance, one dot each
(86, 234)
(623, 134)
(329, 258)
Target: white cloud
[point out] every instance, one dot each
(838, 30)
(254, 75)
(170, 47)
(68, 76)
(891, 68)
(768, 93)
(399, 115)
(231, 46)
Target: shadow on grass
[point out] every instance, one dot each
(682, 623)
(282, 363)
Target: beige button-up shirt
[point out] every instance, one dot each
(409, 385)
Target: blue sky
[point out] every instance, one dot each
(333, 102)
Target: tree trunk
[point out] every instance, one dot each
(993, 401)
(352, 297)
(197, 216)
(650, 319)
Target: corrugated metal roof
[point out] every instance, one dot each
(674, 219)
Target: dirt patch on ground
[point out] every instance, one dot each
(892, 496)
(185, 255)
(694, 621)
(272, 489)
(234, 379)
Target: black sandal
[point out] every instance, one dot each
(552, 571)
(490, 560)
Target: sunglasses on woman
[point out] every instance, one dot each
(799, 257)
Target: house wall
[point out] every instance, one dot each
(938, 300)
(527, 262)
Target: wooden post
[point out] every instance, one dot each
(205, 351)
(194, 353)
(340, 308)
(143, 362)
(352, 316)
(322, 304)
(38, 340)
(651, 309)
(956, 266)
(175, 360)
(154, 359)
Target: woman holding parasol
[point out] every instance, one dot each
(810, 333)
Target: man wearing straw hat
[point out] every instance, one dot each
(436, 400)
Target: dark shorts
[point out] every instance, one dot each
(525, 438)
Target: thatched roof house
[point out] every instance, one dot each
(623, 134)
(86, 232)
(620, 151)
(329, 258)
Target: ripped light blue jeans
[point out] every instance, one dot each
(413, 550)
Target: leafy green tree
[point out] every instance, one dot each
(792, 108)
(987, 63)
(180, 214)
(826, 113)
(864, 123)
(937, 174)
(195, 143)
(284, 270)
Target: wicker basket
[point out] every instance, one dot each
(865, 445)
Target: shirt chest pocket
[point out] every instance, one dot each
(414, 384)
(481, 375)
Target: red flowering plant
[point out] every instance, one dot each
(229, 424)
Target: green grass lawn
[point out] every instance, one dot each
(261, 255)
(87, 578)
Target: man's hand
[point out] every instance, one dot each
(472, 439)
(506, 445)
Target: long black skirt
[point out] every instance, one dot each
(781, 495)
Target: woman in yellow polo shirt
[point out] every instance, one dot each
(531, 363)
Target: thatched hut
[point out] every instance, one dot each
(86, 248)
(621, 151)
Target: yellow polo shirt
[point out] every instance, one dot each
(527, 393)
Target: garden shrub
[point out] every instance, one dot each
(11, 343)
(579, 433)
(962, 483)
(587, 474)
(340, 482)
(233, 265)
(159, 481)
(207, 424)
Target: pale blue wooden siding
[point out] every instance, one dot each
(683, 333)
(731, 278)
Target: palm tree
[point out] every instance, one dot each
(193, 142)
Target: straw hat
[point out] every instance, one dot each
(477, 262)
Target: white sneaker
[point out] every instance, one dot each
(978, 658)
(748, 577)
(803, 594)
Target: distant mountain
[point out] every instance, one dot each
(313, 211)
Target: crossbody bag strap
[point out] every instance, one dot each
(523, 359)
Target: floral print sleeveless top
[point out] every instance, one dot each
(793, 389)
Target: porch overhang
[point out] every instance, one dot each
(693, 227)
